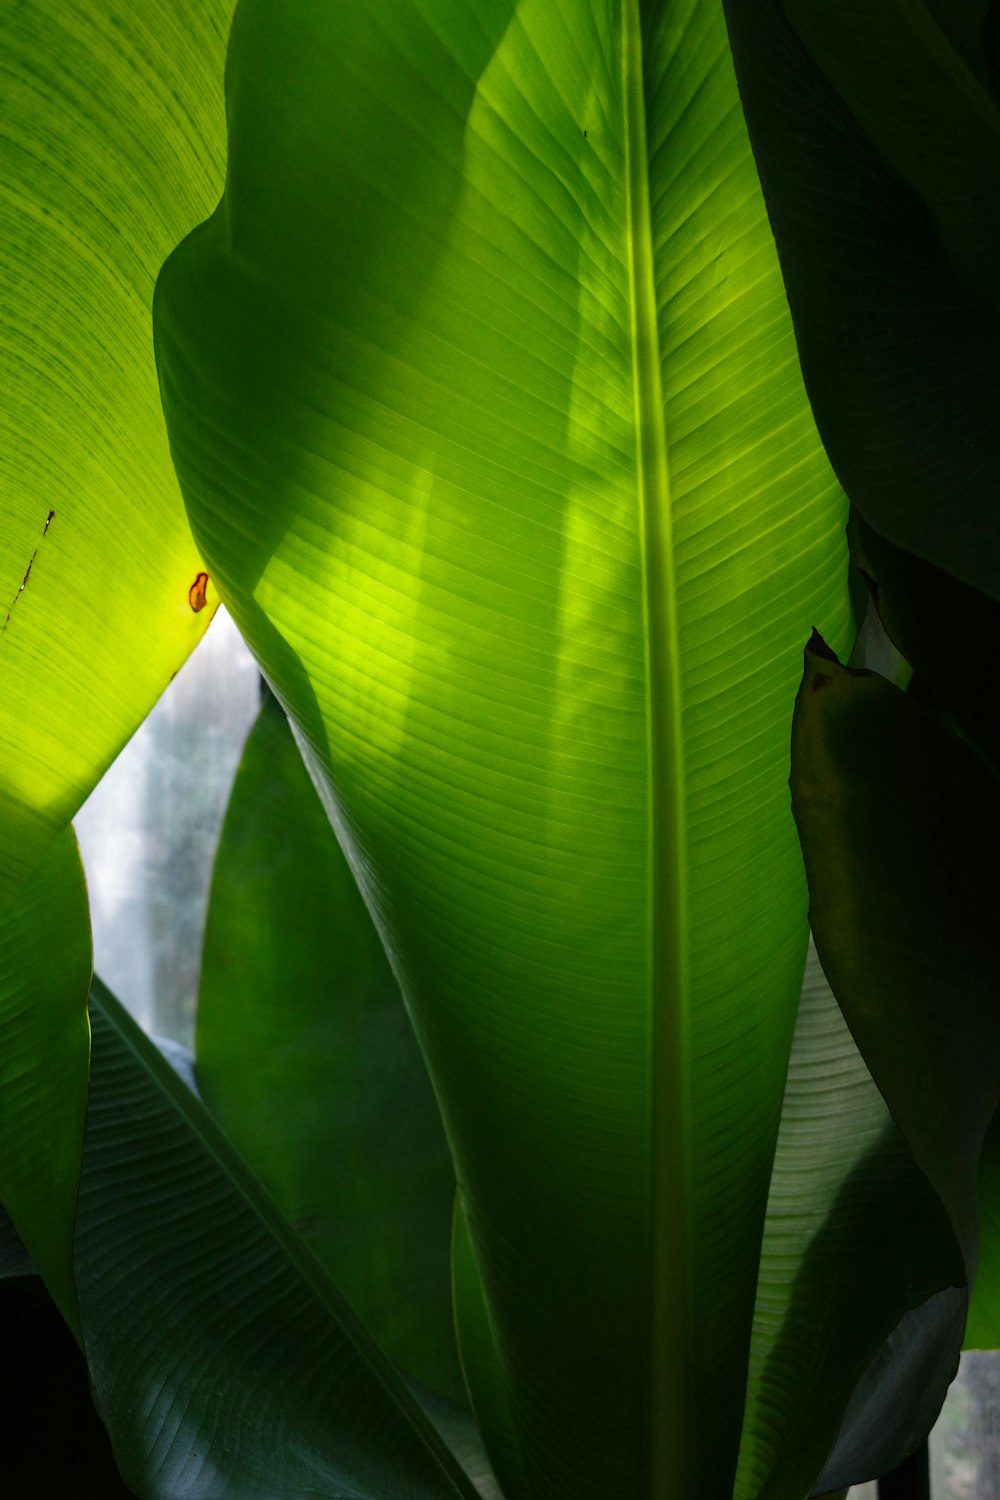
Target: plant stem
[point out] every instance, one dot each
(911, 1481)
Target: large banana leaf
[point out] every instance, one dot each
(484, 1375)
(111, 150)
(306, 1059)
(484, 400)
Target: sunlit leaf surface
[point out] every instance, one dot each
(112, 148)
(485, 404)
(223, 1361)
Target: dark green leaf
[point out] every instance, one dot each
(853, 1251)
(307, 1059)
(45, 968)
(879, 152)
(224, 1363)
(899, 823)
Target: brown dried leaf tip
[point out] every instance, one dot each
(196, 593)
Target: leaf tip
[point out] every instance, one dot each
(816, 646)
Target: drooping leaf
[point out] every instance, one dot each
(877, 135)
(306, 1058)
(112, 148)
(855, 1245)
(899, 821)
(484, 399)
(223, 1361)
(45, 968)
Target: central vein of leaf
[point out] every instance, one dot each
(671, 1460)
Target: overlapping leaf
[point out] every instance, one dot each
(222, 1360)
(111, 150)
(483, 1372)
(483, 396)
(306, 1058)
(899, 822)
(877, 135)
(45, 969)
(855, 1244)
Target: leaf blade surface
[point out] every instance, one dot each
(415, 467)
(113, 148)
(45, 969)
(211, 1309)
(306, 1058)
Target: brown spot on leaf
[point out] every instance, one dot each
(820, 680)
(196, 593)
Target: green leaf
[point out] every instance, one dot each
(306, 1058)
(224, 1363)
(925, 104)
(850, 1279)
(112, 148)
(45, 969)
(457, 1426)
(899, 823)
(878, 147)
(483, 1374)
(484, 399)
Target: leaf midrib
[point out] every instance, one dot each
(668, 1422)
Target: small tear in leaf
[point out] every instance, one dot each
(196, 593)
(48, 521)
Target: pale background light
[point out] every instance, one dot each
(149, 831)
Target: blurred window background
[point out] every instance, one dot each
(149, 830)
(965, 1444)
